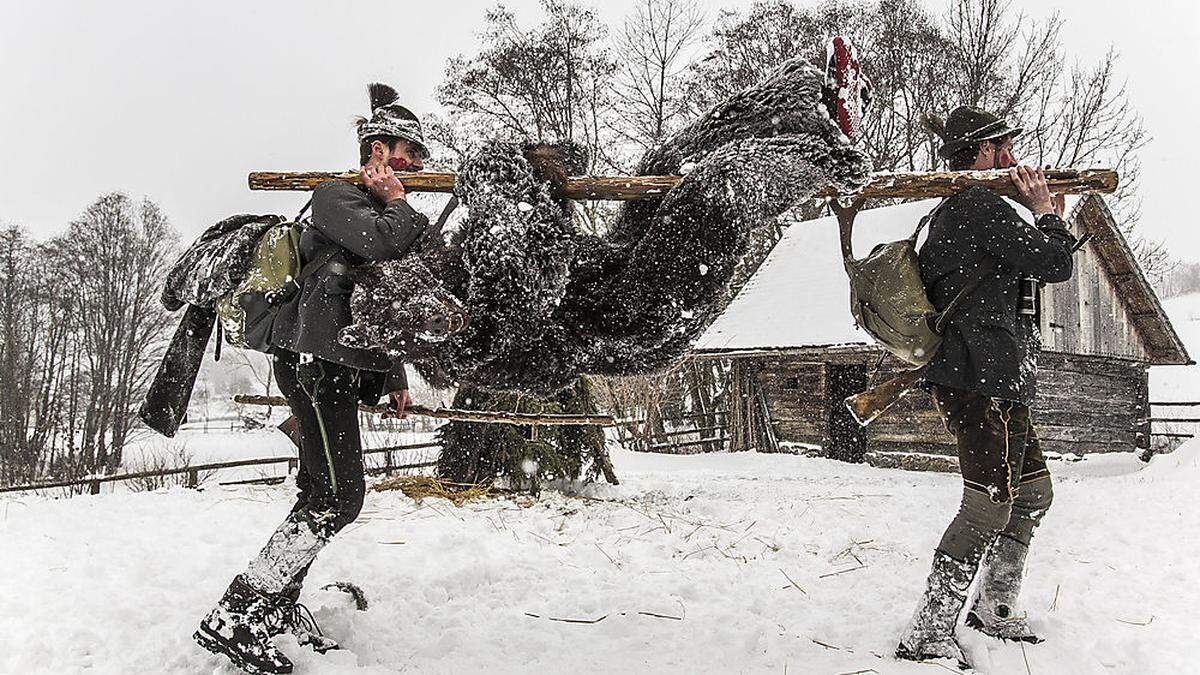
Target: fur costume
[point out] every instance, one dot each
(216, 262)
(548, 303)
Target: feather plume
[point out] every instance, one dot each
(934, 125)
(381, 95)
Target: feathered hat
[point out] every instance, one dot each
(389, 118)
(967, 126)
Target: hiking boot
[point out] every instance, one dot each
(994, 610)
(235, 628)
(931, 635)
(287, 615)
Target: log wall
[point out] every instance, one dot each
(1091, 403)
(1086, 403)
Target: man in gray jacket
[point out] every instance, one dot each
(324, 381)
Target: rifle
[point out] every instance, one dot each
(868, 405)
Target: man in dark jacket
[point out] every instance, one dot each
(983, 382)
(324, 382)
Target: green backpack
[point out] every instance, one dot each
(247, 313)
(888, 300)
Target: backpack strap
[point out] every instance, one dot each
(928, 218)
(303, 210)
(986, 268)
(846, 234)
(446, 211)
(318, 261)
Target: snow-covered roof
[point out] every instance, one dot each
(800, 295)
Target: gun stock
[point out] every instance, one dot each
(868, 405)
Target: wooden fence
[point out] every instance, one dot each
(703, 432)
(1189, 421)
(193, 472)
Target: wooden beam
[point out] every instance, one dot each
(661, 446)
(482, 416)
(883, 185)
(194, 469)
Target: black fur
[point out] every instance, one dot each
(548, 303)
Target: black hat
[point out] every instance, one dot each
(389, 118)
(967, 126)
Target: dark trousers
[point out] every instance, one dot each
(324, 398)
(998, 447)
(1006, 485)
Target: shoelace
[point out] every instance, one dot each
(305, 619)
(285, 615)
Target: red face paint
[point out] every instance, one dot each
(398, 164)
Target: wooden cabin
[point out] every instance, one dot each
(792, 351)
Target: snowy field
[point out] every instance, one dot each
(700, 564)
(716, 563)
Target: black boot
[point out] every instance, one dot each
(235, 628)
(287, 615)
(931, 635)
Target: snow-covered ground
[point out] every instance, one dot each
(716, 563)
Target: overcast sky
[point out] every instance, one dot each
(178, 101)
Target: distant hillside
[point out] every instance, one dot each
(1182, 280)
(1180, 383)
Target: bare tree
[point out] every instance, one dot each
(110, 265)
(17, 357)
(546, 83)
(654, 43)
(744, 49)
(550, 82)
(1183, 278)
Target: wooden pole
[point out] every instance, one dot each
(883, 185)
(482, 416)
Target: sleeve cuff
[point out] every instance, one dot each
(1050, 220)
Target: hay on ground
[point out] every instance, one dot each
(420, 487)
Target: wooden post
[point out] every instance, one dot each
(489, 417)
(94, 486)
(882, 185)
(193, 478)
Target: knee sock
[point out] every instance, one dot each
(975, 527)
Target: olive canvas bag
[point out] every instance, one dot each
(888, 299)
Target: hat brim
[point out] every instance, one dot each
(950, 148)
(421, 147)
